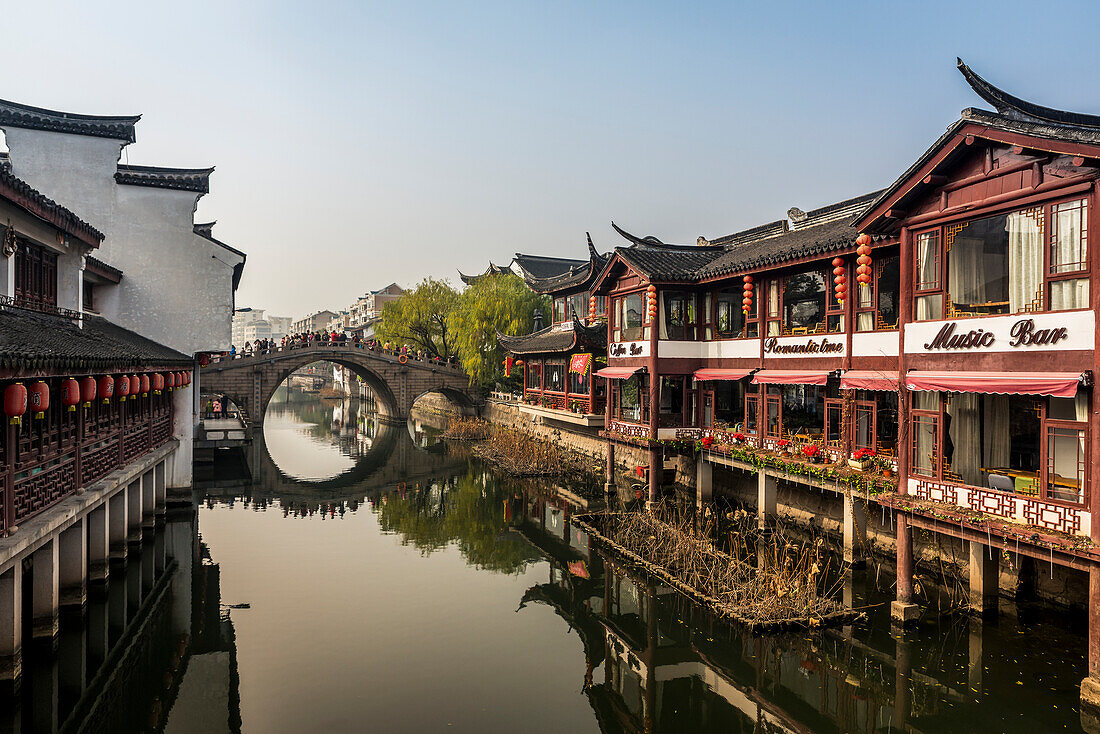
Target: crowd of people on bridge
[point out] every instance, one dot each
(336, 339)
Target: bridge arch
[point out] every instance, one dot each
(251, 381)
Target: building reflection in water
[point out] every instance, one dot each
(150, 640)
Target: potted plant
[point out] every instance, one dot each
(739, 438)
(813, 453)
(887, 466)
(861, 459)
(706, 443)
(784, 446)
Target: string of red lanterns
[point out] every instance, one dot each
(747, 289)
(651, 297)
(18, 398)
(863, 271)
(840, 279)
(591, 307)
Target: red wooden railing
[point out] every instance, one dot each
(46, 459)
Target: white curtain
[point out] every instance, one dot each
(966, 275)
(929, 308)
(1067, 245)
(997, 441)
(1025, 262)
(964, 410)
(1069, 294)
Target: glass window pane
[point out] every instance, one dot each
(924, 445)
(1069, 294)
(864, 437)
(630, 407)
(995, 265)
(1069, 240)
(804, 301)
(887, 290)
(1066, 463)
(631, 317)
(929, 308)
(928, 261)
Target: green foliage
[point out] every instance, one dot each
(462, 512)
(421, 318)
(494, 303)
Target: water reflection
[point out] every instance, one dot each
(418, 590)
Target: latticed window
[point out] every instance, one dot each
(35, 275)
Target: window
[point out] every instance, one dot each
(1011, 443)
(578, 384)
(752, 408)
(629, 403)
(672, 401)
(773, 308)
(730, 321)
(729, 403)
(995, 265)
(834, 422)
(628, 317)
(677, 315)
(533, 374)
(555, 377)
(804, 303)
(89, 296)
(877, 304)
(773, 413)
(35, 275)
(576, 305)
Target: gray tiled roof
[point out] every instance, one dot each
(181, 179)
(32, 342)
(556, 340)
(119, 127)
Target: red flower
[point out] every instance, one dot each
(739, 437)
(809, 451)
(782, 443)
(708, 441)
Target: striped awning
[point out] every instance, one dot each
(720, 374)
(790, 377)
(1055, 384)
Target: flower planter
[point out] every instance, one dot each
(859, 464)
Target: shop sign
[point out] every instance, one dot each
(628, 349)
(1071, 330)
(804, 346)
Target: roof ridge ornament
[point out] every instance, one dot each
(1012, 106)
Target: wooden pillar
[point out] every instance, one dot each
(1090, 686)
(903, 611)
(656, 461)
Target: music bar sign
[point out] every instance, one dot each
(1060, 331)
(804, 346)
(628, 349)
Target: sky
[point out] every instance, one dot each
(364, 143)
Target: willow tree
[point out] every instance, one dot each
(421, 318)
(498, 302)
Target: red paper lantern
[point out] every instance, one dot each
(70, 394)
(135, 386)
(863, 239)
(106, 388)
(122, 386)
(171, 381)
(158, 383)
(15, 402)
(39, 397)
(746, 302)
(204, 359)
(87, 391)
(186, 378)
(145, 384)
(838, 262)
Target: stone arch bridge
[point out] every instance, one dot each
(250, 380)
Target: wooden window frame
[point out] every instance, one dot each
(776, 398)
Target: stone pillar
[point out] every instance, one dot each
(44, 590)
(704, 482)
(160, 490)
(984, 578)
(148, 501)
(1090, 686)
(855, 530)
(133, 512)
(73, 564)
(99, 545)
(11, 622)
(767, 498)
(117, 525)
(903, 611)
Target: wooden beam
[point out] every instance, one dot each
(1078, 160)
(934, 179)
(895, 214)
(969, 139)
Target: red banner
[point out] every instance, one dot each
(580, 363)
(577, 568)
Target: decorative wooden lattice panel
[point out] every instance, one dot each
(37, 492)
(1055, 517)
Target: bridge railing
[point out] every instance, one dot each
(450, 363)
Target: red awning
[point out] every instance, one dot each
(869, 380)
(1056, 384)
(617, 373)
(720, 374)
(790, 377)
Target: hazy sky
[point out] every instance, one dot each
(362, 143)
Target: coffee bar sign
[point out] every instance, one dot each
(1041, 332)
(628, 349)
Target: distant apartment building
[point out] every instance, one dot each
(250, 324)
(316, 321)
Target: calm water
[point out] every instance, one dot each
(355, 576)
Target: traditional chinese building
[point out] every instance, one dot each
(945, 326)
(558, 361)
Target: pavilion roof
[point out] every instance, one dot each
(119, 127)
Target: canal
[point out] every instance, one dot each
(352, 575)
